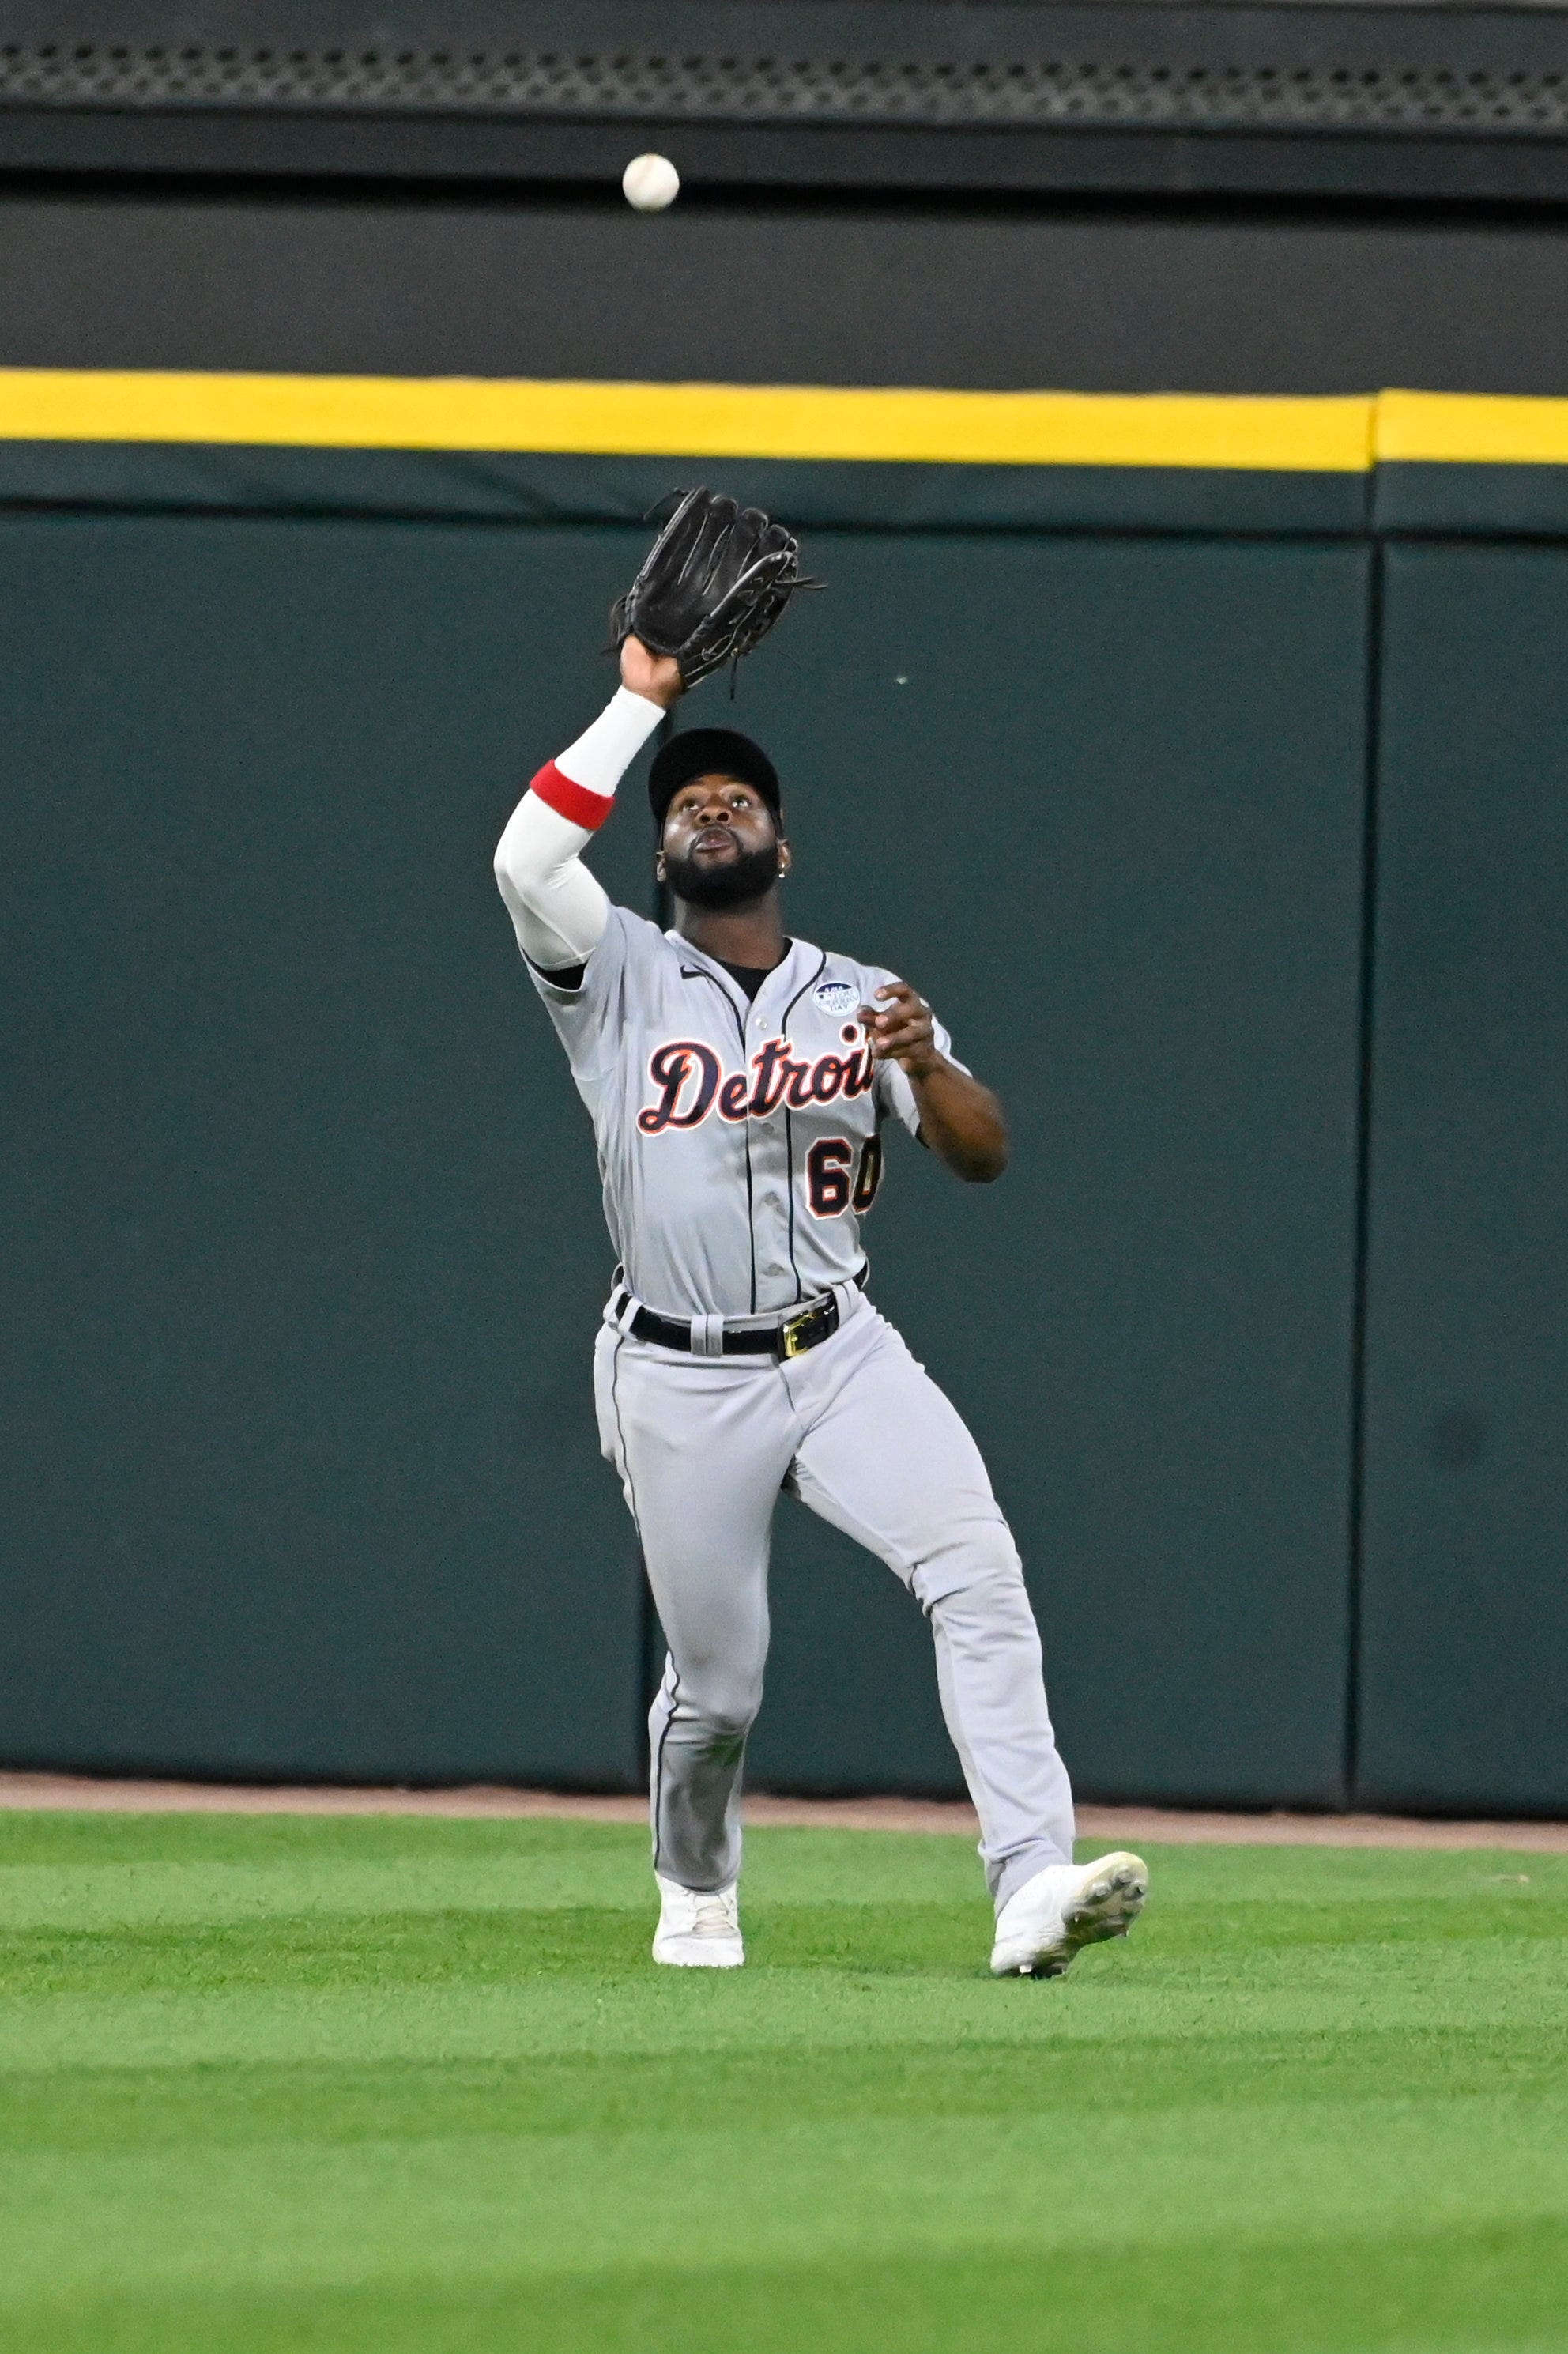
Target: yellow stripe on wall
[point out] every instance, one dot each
(698, 420)
(1471, 428)
(1339, 434)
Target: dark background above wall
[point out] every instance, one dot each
(1085, 299)
(1153, 196)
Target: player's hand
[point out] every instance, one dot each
(655, 676)
(902, 1029)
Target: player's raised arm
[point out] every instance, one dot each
(712, 586)
(557, 907)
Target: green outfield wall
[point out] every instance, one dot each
(1200, 759)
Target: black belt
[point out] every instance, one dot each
(791, 1337)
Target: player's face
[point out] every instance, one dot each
(721, 846)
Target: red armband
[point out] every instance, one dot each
(571, 800)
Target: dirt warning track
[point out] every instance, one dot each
(1124, 1825)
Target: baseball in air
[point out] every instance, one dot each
(649, 182)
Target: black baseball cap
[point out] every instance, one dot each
(709, 752)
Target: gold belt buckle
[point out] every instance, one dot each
(793, 1336)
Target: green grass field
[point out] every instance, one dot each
(378, 2086)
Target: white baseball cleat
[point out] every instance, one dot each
(1042, 1926)
(699, 1928)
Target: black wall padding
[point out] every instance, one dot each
(304, 1253)
(1465, 1610)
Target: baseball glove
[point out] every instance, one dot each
(712, 586)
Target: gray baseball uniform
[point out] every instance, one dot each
(739, 1144)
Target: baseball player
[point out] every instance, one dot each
(739, 1082)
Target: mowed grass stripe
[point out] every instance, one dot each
(190, 1895)
(130, 2109)
(386, 2083)
(493, 2205)
(1479, 2291)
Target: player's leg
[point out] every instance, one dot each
(888, 1460)
(701, 1446)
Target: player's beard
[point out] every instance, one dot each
(750, 874)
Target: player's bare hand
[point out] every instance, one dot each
(901, 1029)
(655, 676)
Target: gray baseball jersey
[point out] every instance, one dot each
(739, 1142)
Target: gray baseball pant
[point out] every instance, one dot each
(860, 1432)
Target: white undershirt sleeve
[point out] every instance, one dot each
(557, 909)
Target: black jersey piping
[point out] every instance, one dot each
(701, 972)
(790, 1125)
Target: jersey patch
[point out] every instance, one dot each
(836, 996)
